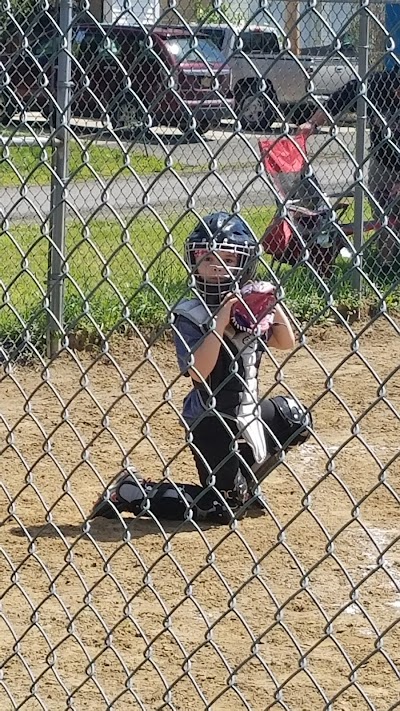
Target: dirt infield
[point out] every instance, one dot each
(287, 610)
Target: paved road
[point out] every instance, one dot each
(233, 178)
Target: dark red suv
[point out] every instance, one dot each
(136, 77)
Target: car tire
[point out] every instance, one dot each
(7, 109)
(302, 113)
(204, 126)
(254, 111)
(49, 113)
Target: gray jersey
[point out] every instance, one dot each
(232, 387)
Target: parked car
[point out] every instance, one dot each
(324, 50)
(287, 78)
(136, 77)
(328, 70)
(260, 56)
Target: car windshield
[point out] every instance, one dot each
(183, 50)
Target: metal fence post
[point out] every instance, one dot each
(361, 131)
(61, 164)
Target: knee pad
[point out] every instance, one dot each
(290, 424)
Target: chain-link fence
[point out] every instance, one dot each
(124, 125)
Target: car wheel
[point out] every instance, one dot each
(255, 112)
(128, 119)
(49, 113)
(204, 126)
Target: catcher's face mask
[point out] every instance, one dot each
(225, 236)
(216, 266)
(217, 271)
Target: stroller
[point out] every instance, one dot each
(304, 231)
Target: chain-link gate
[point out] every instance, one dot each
(123, 126)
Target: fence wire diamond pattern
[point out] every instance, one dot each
(121, 128)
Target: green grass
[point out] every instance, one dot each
(33, 164)
(145, 275)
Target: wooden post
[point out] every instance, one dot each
(96, 9)
(291, 25)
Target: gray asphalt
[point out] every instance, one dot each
(235, 179)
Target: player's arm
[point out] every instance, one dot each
(198, 354)
(282, 336)
(206, 355)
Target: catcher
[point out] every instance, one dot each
(220, 337)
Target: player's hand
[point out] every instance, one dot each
(305, 129)
(223, 316)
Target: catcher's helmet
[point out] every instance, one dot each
(220, 231)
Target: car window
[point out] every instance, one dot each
(77, 40)
(182, 50)
(43, 46)
(215, 34)
(39, 45)
(263, 42)
(132, 43)
(90, 45)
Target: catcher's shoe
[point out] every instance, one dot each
(167, 501)
(257, 503)
(113, 501)
(107, 508)
(219, 513)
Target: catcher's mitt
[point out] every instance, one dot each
(254, 312)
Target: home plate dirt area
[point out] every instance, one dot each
(295, 608)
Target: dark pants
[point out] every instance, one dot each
(383, 181)
(215, 455)
(213, 442)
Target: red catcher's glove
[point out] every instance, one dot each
(254, 312)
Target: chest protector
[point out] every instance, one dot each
(232, 386)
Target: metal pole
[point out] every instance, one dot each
(361, 132)
(58, 202)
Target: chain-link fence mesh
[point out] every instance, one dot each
(123, 125)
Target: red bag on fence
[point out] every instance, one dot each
(285, 162)
(283, 156)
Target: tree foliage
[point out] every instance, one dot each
(218, 13)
